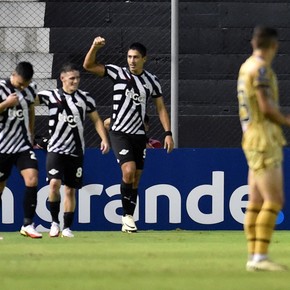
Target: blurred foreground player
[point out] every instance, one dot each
(262, 143)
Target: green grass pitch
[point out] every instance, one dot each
(148, 260)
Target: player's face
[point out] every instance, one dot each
(135, 61)
(70, 81)
(18, 82)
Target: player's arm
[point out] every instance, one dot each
(268, 108)
(164, 119)
(98, 123)
(31, 122)
(10, 101)
(90, 63)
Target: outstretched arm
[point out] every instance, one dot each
(164, 119)
(90, 63)
(96, 119)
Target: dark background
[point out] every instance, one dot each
(214, 40)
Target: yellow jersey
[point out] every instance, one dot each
(259, 132)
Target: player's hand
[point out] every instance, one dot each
(105, 147)
(12, 100)
(168, 144)
(99, 42)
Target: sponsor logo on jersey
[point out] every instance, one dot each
(70, 119)
(123, 152)
(135, 97)
(13, 113)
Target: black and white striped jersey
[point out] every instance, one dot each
(130, 98)
(67, 114)
(14, 122)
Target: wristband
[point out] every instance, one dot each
(167, 133)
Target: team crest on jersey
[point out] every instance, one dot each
(137, 99)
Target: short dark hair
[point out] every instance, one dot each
(263, 36)
(25, 70)
(69, 66)
(139, 47)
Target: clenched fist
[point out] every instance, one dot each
(99, 42)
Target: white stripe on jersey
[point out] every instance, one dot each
(119, 87)
(14, 121)
(131, 94)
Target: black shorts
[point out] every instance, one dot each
(22, 160)
(128, 147)
(67, 168)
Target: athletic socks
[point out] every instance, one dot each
(250, 225)
(54, 210)
(126, 193)
(29, 204)
(265, 224)
(133, 200)
(68, 218)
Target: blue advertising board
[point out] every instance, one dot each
(190, 189)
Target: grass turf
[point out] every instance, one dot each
(148, 260)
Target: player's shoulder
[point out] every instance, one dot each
(111, 66)
(33, 85)
(80, 91)
(84, 93)
(3, 82)
(47, 92)
(253, 65)
(150, 75)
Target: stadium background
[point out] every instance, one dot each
(213, 42)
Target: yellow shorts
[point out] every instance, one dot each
(259, 161)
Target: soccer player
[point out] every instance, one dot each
(132, 88)
(262, 143)
(17, 96)
(68, 107)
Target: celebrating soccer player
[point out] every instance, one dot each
(132, 88)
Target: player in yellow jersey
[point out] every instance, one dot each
(262, 144)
